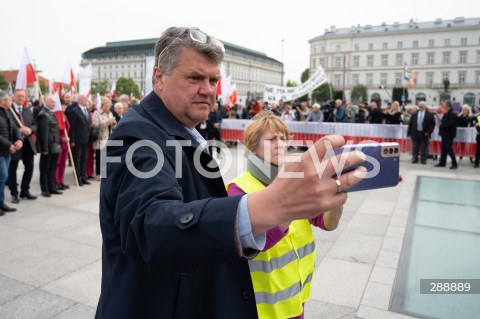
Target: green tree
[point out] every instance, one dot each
(305, 75)
(3, 83)
(127, 86)
(397, 94)
(44, 87)
(323, 93)
(291, 83)
(359, 94)
(100, 87)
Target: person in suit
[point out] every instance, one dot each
(11, 141)
(174, 244)
(80, 122)
(420, 128)
(448, 131)
(28, 151)
(48, 142)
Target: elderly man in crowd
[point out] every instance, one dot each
(420, 128)
(28, 129)
(10, 143)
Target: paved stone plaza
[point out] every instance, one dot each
(50, 251)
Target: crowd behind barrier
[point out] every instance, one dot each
(464, 145)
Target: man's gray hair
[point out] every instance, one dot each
(3, 95)
(175, 38)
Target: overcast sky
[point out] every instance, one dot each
(55, 32)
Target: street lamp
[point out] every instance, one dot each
(282, 62)
(388, 93)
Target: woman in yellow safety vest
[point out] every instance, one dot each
(282, 272)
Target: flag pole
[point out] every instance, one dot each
(16, 117)
(75, 177)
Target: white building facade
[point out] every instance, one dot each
(249, 70)
(374, 56)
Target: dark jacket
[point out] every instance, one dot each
(9, 133)
(30, 122)
(376, 116)
(79, 126)
(48, 136)
(428, 124)
(448, 127)
(169, 248)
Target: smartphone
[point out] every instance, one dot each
(382, 163)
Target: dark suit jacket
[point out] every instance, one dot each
(169, 248)
(79, 126)
(48, 136)
(428, 124)
(448, 127)
(28, 121)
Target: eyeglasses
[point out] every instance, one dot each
(197, 36)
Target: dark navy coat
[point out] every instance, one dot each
(169, 249)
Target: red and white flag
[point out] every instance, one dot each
(233, 97)
(69, 78)
(26, 73)
(113, 90)
(55, 92)
(143, 95)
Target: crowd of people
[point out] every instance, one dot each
(27, 129)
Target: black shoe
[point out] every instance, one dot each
(85, 181)
(27, 195)
(46, 194)
(5, 208)
(2, 213)
(64, 186)
(15, 200)
(54, 191)
(476, 165)
(60, 187)
(453, 167)
(439, 165)
(90, 177)
(415, 161)
(424, 162)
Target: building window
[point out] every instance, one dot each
(370, 60)
(463, 41)
(445, 76)
(369, 79)
(356, 47)
(337, 79)
(314, 63)
(415, 43)
(116, 66)
(385, 45)
(399, 45)
(322, 49)
(431, 43)
(321, 61)
(122, 66)
(110, 67)
(477, 77)
(399, 59)
(415, 59)
(338, 62)
(384, 59)
(430, 58)
(356, 61)
(461, 78)
(104, 67)
(370, 46)
(430, 79)
(314, 50)
(398, 79)
(355, 79)
(383, 79)
(446, 57)
(463, 57)
(447, 42)
(135, 74)
(110, 75)
(338, 48)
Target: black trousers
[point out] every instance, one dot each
(26, 155)
(97, 162)
(477, 152)
(80, 156)
(447, 149)
(48, 167)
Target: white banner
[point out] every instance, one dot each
(149, 65)
(85, 80)
(275, 93)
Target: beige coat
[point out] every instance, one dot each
(100, 120)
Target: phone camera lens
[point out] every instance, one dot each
(390, 151)
(385, 151)
(396, 150)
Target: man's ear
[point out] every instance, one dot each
(158, 78)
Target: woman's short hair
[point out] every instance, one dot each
(264, 120)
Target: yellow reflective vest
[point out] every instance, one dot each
(282, 275)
